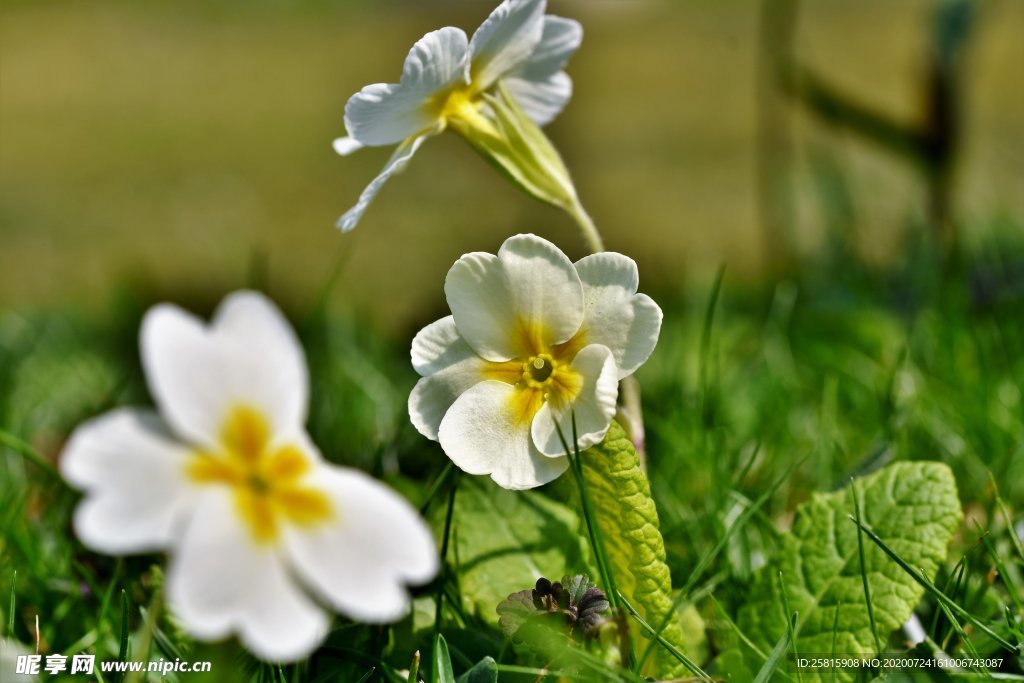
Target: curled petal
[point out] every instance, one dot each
(505, 40)
(616, 316)
(395, 164)
(133, 474)
(221, 582)
(387, 113)
(482, 434)
(361, 564)
(248, 355)
(593, 406)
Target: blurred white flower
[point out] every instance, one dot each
(532, 339)
(224, 477)
(10, 650)
(448, 81)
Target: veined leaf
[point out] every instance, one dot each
(503, 541)
(625, 511)
(912, 506)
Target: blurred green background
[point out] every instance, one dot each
(186, 145)
(180, 149)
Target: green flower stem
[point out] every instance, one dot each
(22, 448)
(586, 225)
(439, 597)
(631, 415)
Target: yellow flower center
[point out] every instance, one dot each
(459, 107)
(542, 373)
(266, 481)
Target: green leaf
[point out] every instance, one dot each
(441, 671)
(484, 671)
(628, 518)
(503, 541)
(912, 506)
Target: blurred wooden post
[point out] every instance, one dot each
(774, 135)
(931, 144)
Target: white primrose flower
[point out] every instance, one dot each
(449, 81)
(533, 339)
(259, 527)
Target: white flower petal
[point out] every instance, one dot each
(274, 376)
(616, 316)
(403, 153)
(346, 145)
(387, 113)
(133, 475)
(220, 582)
(248, 356)
(544, 286)
(505, 40)
(360, 564)
(438, 346)
(594, 406)
(481, 435)
(479, 298)
(559, 40)
(505, 305)
(449, 366)
(542, 100)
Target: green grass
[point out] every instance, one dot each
(129, 155)
(752, 402)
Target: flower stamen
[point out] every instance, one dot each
(537, 371)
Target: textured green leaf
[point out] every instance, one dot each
(628, 518)
(503, 541)
(912, 506)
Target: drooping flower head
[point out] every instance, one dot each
(259, 527)
(533, 340)
(493, 89)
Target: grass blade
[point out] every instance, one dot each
(791, 618)
(22, 448)
(441, 671)
(774, 659)
(710, 556)
(10, 606)
(414, 668)
(941, 597)
(1014, 538)
(863, 571)
(683, 659)
(122, 650)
